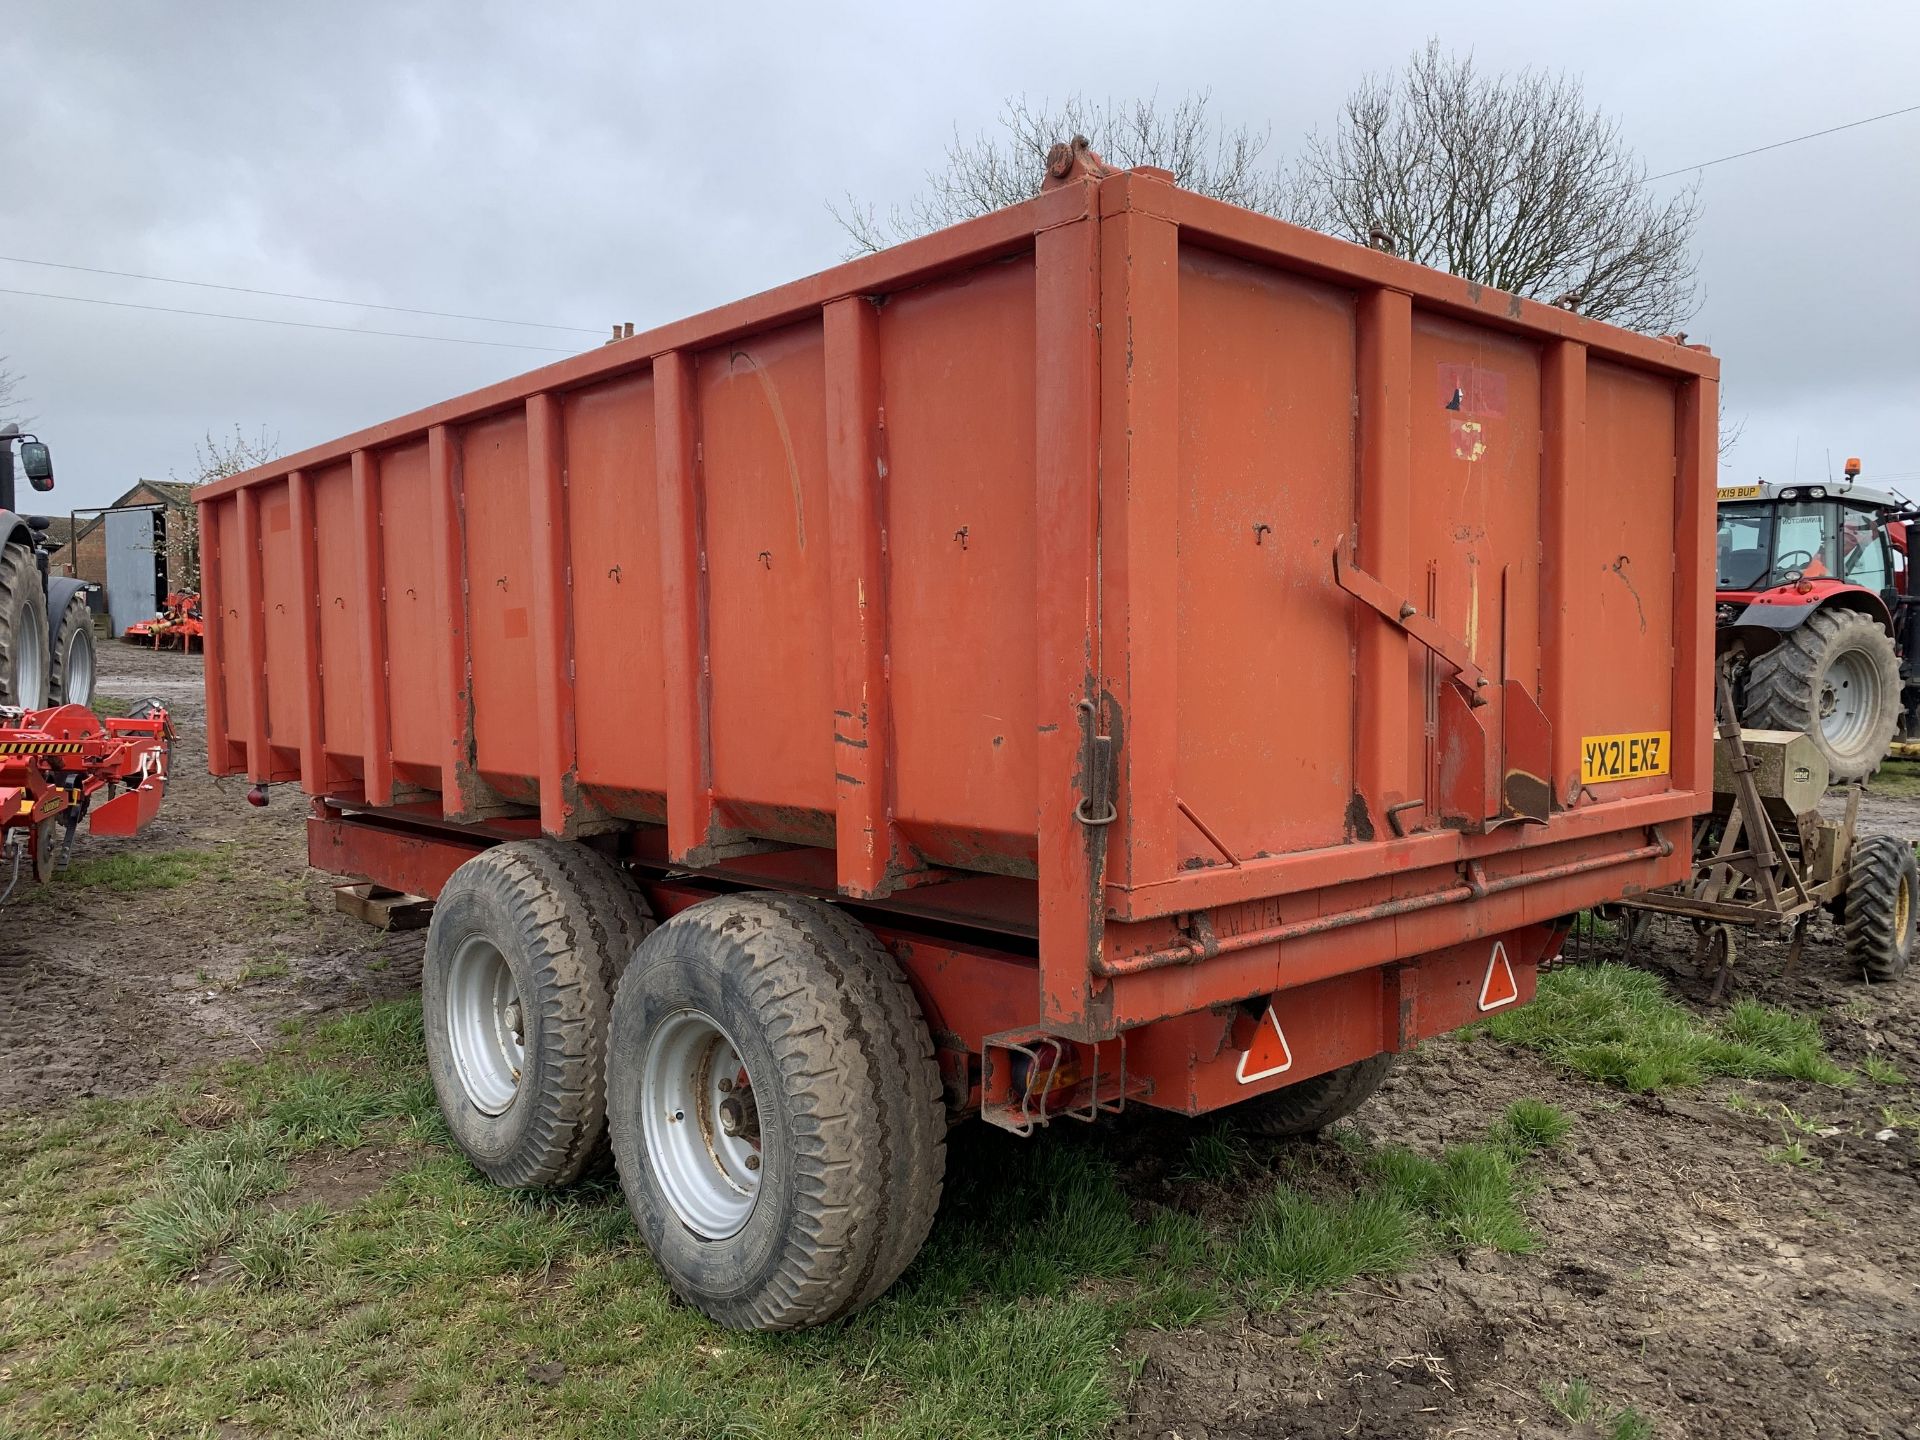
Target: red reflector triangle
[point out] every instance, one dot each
(1499, 988)
(1268, 1055)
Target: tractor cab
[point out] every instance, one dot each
(1788, 544)
(1811, 591)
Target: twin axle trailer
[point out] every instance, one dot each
(1120, 650)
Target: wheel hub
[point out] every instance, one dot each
(1848, 701)
(486, 1027)
(30, 667)
(701, 1122)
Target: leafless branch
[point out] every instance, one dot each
(10, 397)
(212, 460)
(1511, 180)
(994, 169)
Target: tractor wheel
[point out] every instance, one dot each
(1314, 1104)
(1836, 678)
(1883, 882)
(70, 677)
(23, 630)
(527, 941)
(776, 1110)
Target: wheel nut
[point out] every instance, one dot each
(725, 1085)
(730, 1117)
(753, 1162)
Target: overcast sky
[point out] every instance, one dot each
(640, 163)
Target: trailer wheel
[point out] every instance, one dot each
(70, 675)
(1883, 883)
(23, 630)
(776, 1110)
(1836, 678)
(1313, 1104)
(526, 944)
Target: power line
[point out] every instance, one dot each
(1778, 144)
(287, 295)
(296, 324)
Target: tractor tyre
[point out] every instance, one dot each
(1313, 1104)
(1836, 678)
(70, 676)
(527, 942)
(776, 1110)
(1883, 882)
(23, 630)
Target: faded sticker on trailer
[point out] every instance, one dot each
(1623, 757)
(1472, 390)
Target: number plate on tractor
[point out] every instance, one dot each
(1623, 757)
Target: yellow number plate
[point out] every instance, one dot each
(1740, 492)
(1623, 757)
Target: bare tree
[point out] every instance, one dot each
(994, 170)
(212, 460)
(1512, 180)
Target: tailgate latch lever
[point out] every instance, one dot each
(1397, 610)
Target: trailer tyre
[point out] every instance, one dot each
(1836, 678)
(1883, 882)
(1314, 1104)
(70, 676)
(776, 1110)
(527, 942)
(23, 630)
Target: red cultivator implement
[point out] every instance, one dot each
(60, 766)
(177, 627)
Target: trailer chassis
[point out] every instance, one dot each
(980, 987)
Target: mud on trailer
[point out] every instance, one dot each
(1120, 650)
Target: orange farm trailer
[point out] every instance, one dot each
(1120, 650)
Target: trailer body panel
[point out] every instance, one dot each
(1204, 607)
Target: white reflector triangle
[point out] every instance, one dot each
(1268, 1055)
(1499, 988)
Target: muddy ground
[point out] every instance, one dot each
(1684, 1268)
(107, 993)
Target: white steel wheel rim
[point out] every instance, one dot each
(1849, 700)
(79, 673)
(486, 1026)
(701, 1124)
(30, 667)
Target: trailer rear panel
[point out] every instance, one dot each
(1204, 607)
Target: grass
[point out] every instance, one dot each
(1882, 1071)
(1619, 1025)
(134, 871)
(109, 705)
(1897, 779)
(1408, 1206)
(159, 1273)
(1575, 1402)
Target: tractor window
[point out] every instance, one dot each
(1805, 541)
(1745, 547)
(1863, 549)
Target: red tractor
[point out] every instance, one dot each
(1812, 594)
